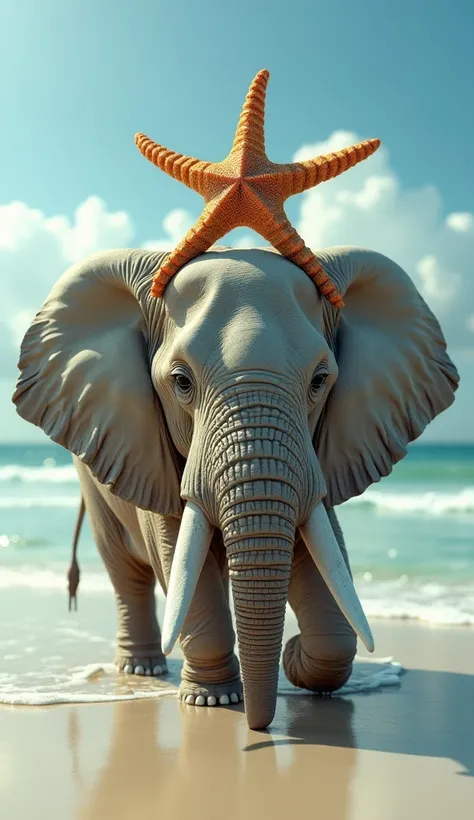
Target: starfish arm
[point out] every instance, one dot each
(250, 133)
(281, 234)
(311, 172)
(207, 230)
(188, 170)
(248, 189)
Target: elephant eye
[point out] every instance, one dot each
(317, 384)
(183, 383)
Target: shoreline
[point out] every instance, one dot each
(405, 751)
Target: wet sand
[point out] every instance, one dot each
(405, 752)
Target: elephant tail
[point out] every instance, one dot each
(74, 574)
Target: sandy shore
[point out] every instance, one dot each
(405, 752)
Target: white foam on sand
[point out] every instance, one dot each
(367, 676)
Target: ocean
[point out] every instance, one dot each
(410, 539)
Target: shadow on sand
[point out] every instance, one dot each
(178, 755)
(432, 716)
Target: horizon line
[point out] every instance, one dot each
(416, 443)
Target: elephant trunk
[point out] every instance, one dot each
(252, 472)
(265, 481)
(259, 551)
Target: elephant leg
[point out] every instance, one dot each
(138, 636)
(320, 657)
(210, 672)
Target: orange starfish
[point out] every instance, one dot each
(247, 189)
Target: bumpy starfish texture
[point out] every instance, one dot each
(247, 189)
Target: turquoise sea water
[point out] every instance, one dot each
(410, 537)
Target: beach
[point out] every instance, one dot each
(79, 741)
(403, 751)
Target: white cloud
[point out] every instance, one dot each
(246, 240)
(18, 324)
(35, 250)
(437, 285)
(367, 206)
(372, 192)
(176, 224)
(460, 222)
(94, 229)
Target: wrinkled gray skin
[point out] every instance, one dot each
(249, 436)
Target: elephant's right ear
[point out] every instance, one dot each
(85, 378)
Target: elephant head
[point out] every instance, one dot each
(245, 398)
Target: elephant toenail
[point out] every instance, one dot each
(234, 698)
(128, 669)
(157, 670)
(212, 700)
(200, 700)
(139, 670)
(190, 699)
(224, 700)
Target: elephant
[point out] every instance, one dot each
(214, 431)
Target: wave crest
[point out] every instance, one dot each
(15, 473)
(26, 577)
(428, 503)
(22, 503)
(411, 599)
(421, 503)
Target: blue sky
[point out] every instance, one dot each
(78, 80)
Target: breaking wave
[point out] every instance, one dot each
(407, 598)
(36, 578)
(28, 502)
(47, 474)
(417, 503)
(427, 503)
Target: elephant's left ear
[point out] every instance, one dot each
(394, 373)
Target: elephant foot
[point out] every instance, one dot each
(323, 669)
(150, 665)
(207, 694)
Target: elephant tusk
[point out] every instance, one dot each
(318, 535)
(192, 546)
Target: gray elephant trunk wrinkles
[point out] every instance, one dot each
(262, 480)
(254, 443)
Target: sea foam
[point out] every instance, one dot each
(411, 599)
(432, 504)
(43, 579)
(41, 501)
(427, 503)
(16, 473)
(99, 683)
(458, 501)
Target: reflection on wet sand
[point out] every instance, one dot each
(402, 752)
(208, 763)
